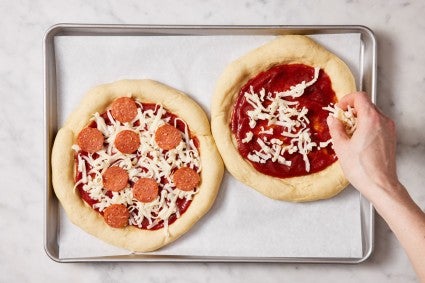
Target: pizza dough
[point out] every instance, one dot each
(289, 49)
(63, 171)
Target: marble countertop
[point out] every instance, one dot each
(399, 27)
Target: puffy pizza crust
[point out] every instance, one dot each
(288, 49)
(147, 91)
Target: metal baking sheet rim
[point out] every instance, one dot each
(368, 72)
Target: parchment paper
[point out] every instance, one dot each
(242, 222)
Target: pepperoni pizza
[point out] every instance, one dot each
(135, 164)
(269, 115)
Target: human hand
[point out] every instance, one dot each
(368, 161)
(368, 157)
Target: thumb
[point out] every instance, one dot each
(338, 134)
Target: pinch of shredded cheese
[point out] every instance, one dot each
(347, 117)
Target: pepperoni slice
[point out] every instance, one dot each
(116, 215)
(186, 179)
(127, 141)
(115, 179)
(145, 189)
(90, 140)
(124, 109)
(167, 137)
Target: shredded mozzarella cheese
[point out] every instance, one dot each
(150, 161)
(248, 137)
(281, 112)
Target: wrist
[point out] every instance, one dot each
(390, 198)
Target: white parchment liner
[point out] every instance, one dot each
(242, 222)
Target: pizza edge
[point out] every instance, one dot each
(286, 49)
(147, 91)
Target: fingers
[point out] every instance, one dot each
(364, 109)
(347, 100)
(338, 134)
(359, 100)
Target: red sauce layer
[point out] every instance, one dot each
(277, 79)
(182, 204)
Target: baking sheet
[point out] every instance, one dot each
(242, 223)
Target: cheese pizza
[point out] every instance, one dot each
(135, 164)
(269, 115)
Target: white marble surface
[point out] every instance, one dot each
(399, 27)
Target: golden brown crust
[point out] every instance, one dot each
(147, 91)
(287, 49)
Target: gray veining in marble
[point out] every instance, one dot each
(400, 29)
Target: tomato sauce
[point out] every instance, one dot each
(277, 79)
